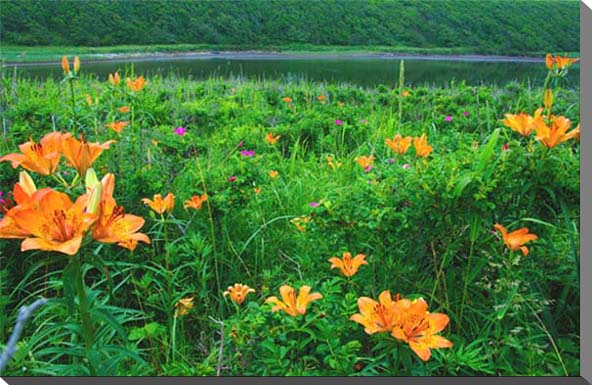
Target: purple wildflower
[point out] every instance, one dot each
(466, 113)
(391, 160)
(180, 131)
(338, 122)
(448, 118)
(232, 179)
(248, 152)
(406, 166)
(314, 204)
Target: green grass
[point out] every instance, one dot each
(423, 223)
(13, 53)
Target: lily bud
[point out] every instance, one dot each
(27, 183)
(91, 179)
(76, 64)
(65, 65)
(94, 201)
(548, 98)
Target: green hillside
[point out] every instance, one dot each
(492, 27)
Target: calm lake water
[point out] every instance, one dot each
(363, 71)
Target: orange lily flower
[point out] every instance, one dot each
(81, 154)
(137, 84)
(160, 205)
(347, 265)
(290, 304)
(576, 132)
(272, 139)
(114, 80)
(549, 61)
(405, 93)
(22, 192)
(117, 126)
(321, 98)
(124, 109)
(273, 174)
(556, 133)
(377, 316)
(195, 202)
(422, 148)
(523, 123)
(183, 306)
(516, 239)
(238, 292)
(559, 62)
(43, 157)
(113, 224)
(88, 100)
(365, 162)
(55, 223)
(399, 144)
(287, 99)
(418, 328)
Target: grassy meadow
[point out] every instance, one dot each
(269, 181)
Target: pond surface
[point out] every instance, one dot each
(366, 71)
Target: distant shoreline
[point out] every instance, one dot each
(268, 55)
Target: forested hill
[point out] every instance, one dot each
(494, 27)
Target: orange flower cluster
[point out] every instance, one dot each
(400, 145)
(406, 320)
(66, 65)
(44, 157)
(137, 84)
(550, 133)
(559, 62)
(114, 79)
(48, 220)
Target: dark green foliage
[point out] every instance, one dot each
(493, 27)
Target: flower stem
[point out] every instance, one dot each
(87, 329)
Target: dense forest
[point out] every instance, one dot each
(494, 27)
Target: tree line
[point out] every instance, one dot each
(495, 27)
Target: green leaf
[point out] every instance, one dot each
(137, 334)
(461, 184)
(488, 151)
